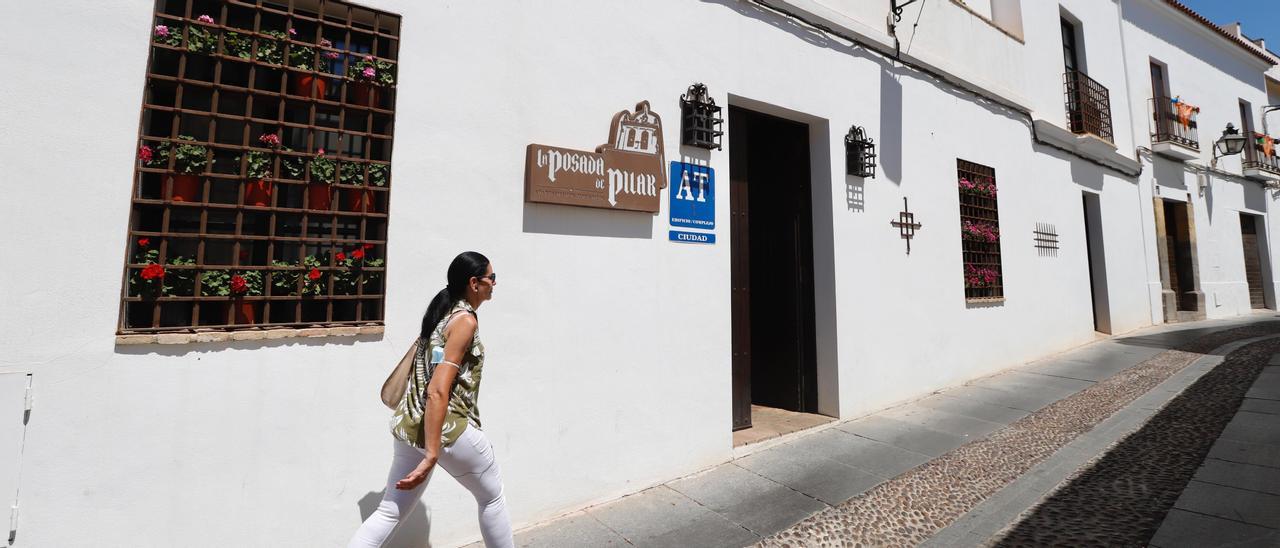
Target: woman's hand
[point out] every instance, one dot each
(418, 475)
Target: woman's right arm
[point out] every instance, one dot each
(457, 340)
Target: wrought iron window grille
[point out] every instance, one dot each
(980, 232)
(700, 119)
(859, 153)
(262, 183)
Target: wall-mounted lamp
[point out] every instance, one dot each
(859, 153)
(700, 119)
(1231, 142)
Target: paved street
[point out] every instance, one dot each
(1166, 436)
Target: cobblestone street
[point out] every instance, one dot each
(1093, 447)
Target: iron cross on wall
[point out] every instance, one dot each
(906, 223)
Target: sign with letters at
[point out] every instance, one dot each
(691, 237)
(693, 196)
(625, 173)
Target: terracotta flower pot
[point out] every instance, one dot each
(358, 197)
(363, 92)
(246, 312)
(186, 188)
(303, 84)
(319, 197)
(258, 193)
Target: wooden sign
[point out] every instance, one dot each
(625, 173)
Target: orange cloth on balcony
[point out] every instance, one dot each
(1268, 146)
(1184, 113)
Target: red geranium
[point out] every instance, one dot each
(368, 246)
(144, 242)
(153, 272)
(358, 254)
(238, 285)
(341, 256)
(144, 154)
(314, 274)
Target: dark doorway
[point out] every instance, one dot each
(1096, 255)
(771, 236)
(1252, 260)
(1178, 239)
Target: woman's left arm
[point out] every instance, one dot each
(457, 341)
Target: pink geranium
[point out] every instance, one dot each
(205, 19)
(270, 139)
(369, 72)
(162, 31)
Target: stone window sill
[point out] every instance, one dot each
(213, 336)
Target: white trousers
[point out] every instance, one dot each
(470, 461)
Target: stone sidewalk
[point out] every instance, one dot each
(755, 498)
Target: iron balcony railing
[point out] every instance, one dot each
(1174, 121)
(1088, 105)
(1258, 155)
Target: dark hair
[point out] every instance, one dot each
(465, 266)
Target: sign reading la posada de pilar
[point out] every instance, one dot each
(626, 173)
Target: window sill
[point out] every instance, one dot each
(984, 300)
(247, 335)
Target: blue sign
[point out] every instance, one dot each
(693, 196)
(692, 237)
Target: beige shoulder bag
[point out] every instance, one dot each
(393, 388)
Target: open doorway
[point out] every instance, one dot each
(1175, 232)
(771, 218)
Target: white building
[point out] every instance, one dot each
(617, 356)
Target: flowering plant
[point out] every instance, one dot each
(154, 156)
(311, 276)
(373, 71)
(980, 231)
(189, 157)
(378, 174)
(167, 35)
(220, 283)
(148, 281)
(239, 45)
(260, 161)
(979, 276)
(349, 278)
(981, 188)
(351, 173)
(269, 49)
(200, 39)
(322, 168)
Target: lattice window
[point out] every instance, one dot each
(980, 231)
(263, 171)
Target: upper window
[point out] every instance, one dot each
(980, 232)
(1070, 52)
(263, 166)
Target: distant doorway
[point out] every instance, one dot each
(1175, 230)
(1252, 260)
(771, 225)
(1097, 264)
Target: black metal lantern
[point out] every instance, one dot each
(700, 119)
(859, 153)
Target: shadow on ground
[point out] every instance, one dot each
(1122, 497)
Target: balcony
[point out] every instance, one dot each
(1260, 160)
(1174, 129)
(1088, 106)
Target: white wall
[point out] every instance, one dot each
(609, 360)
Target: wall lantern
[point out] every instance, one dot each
(859, 153)
(1231, 141)
(700, 119)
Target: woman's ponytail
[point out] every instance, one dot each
(465, 266)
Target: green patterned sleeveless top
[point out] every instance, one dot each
(406, 422)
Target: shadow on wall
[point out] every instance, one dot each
(854, 193)
(586, 221)
(889, 146)
(202, 348)
(414, 531)
(1087, 175)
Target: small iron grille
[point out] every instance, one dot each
(263, 172)
(1088, 105)
(979, 231)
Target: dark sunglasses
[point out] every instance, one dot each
(491, 277)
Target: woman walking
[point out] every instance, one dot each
(437, 420)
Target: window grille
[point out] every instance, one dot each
(263, 173)
(979, 232)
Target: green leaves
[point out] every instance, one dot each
(201, 40)
(322, 169)
(239, 45)
(302, 57)
(180, 282)
(378, 174)
(215, 283)
(190, 158)
(259, 165)
(269, 48)
(352, 173)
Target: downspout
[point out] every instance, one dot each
(1133, 139)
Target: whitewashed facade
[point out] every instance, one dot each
(608, 345)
